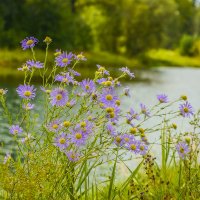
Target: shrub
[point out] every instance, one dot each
(186, 45)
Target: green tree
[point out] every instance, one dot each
(149, 25)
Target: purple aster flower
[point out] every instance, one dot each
(118, 140)
(62, 141)
(129, 120)
(134, 146)
(127, 139)
(66, 124)
(45, 90)
(86, 127)
(28, 42)
(127, 92)
(143, 148)
(132, 114)
(126, 71)
(144, 110)
(183, 149)
(7, 158)
(3, 91)
(186, 109)
(88, 86)
(65, 78)
(28, 106)
(72, 156)
(34, 64)
(15, 129)
(101, 80)
(162, 98)
(73, 72)
(26, 91)
(59, 97)
(27, 138)
(54, 126)
(78, 93)
(111, 130)
(108, 97)
(77, 137)
(64, 59)
(71, 103)
(102, 70)
(24, 68)
(113, 116)
(80, 57)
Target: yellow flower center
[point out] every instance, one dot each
(15, 132)
(24, 67)
(118, 139)
(48, 91)
(89, 118)
(80, 56)
(181, 149)
(118, 102)
(101, 69)
(186, 110)
(78, 136)
(108, 83)
(133, 130)
(57, 53)
(83, 124)
(65, 60)
(112, 115)
(59, 97)
(133, 147)
(126, 139)
(174, 126)
(141, 130)
(109, 97)
(68, 104)
(109, 109)
(73, 156)
(29, 42)
(66, 123)
(55, 126)
(184, 97)
(94, 96)
(65, 80)
(62, 140)
(101, 104)
(141, 148)
(27, 93)
(87, 87)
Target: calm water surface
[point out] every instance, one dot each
(171, 81)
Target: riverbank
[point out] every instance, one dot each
(10, 60)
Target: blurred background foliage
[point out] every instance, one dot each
(127, 28)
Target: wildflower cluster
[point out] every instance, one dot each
(82, 122)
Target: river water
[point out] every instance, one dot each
(171, 81)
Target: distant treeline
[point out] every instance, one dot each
(117, 26)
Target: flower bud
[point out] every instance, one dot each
(47, 40)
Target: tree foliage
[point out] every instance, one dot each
(128, 26)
